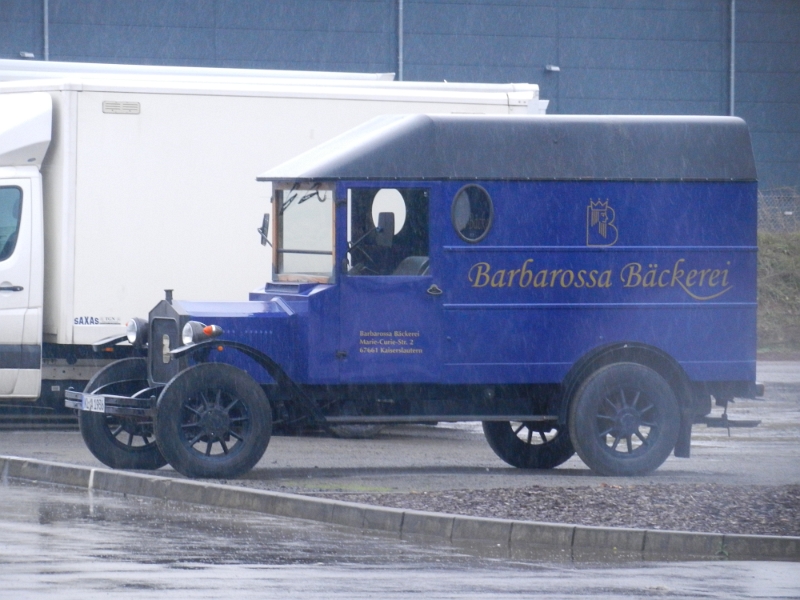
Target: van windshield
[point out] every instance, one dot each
(304, 234)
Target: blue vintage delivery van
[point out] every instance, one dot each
(577, 283)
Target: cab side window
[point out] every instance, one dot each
(373, 251)
(10, 211)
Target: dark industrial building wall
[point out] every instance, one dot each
(611, 56)
(768, 86)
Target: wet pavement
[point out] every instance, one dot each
(58, 542)
(456, 456)
(62, 543)
(785, 371)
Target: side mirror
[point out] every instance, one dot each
(384, 232)
(264, 230)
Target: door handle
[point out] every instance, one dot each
(435, 290)
(11, 288)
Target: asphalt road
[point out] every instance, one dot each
(456, 456)
(77, 545)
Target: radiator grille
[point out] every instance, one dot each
(163, 337)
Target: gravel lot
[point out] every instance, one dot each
(710, 508)
(694, 495)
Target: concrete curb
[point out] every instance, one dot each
(487, 537)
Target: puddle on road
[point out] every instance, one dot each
(70, 544)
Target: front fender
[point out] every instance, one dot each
(268, 364)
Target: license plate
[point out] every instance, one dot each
(94, 403)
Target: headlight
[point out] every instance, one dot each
(195, 332)
(136, 331)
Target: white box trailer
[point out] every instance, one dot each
(106, 184)
(15, 70)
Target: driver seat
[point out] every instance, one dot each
(413, 266)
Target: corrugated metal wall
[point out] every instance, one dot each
(614, 56)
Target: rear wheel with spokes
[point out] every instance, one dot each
(624, 420)
(529, 444)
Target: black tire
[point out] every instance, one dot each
(529, 444)
(624, 420)
(121, 442)
(213, 420)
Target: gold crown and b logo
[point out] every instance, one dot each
(600, 228)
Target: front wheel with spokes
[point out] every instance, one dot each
(213, 420)
(624, 420)
(117, 441)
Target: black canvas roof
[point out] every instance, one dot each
(530, 147)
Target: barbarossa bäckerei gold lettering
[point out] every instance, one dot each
(700, 284)
(482, 275)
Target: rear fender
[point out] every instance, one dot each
(642, 354)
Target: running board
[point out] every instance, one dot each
(436, 418)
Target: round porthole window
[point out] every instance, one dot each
(472, 213)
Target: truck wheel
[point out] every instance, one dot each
(120, 442)
(529, 444)
(213, 420)
(624, 420)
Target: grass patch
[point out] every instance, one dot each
(779, 293)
